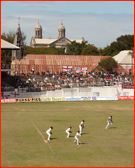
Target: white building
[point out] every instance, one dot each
(60, 42)
(125, 59)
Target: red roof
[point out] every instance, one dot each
(56, 62)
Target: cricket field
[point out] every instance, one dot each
(24, 125)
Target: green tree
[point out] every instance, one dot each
(107, 51)
(6, 54)
(50, 50)
(9, 36)
(100, 50)
(111, 50)
(108, 64)
(75, 48)
(90, 50)
(124, 42)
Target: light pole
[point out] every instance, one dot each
(132, 58)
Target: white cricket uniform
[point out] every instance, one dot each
(68, 132)
(76, 138)
(109, 121)
(49, 133)
(81, 126)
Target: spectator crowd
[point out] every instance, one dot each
(51, 81)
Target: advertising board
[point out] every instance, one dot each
(35, 99)
(73, 99)
(86, 98)
(107, 98)
(43, 99)
(125, 97)
(127, 86)
(8, 100)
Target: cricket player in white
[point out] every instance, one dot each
(109, 121)
(76, 137)
(68, 131)
(49, 133)
(81, 126)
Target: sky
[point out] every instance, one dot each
(99, 22)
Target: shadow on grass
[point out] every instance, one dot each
(112, 128)
(71, 136)
(85, 133)
(53, 138)
(82, 143)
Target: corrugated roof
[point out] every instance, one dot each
(44, 41)
(78, 41)
(55, 62)
(8, 46)
(49, 41)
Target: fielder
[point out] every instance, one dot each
(81, 126)
(68, 131)
(109, 121)
(49, 133)
(76, 137)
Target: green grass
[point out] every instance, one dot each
(22, 145)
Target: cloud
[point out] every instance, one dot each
(97, 29)
(37, 5)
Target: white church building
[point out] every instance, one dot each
(60, 42)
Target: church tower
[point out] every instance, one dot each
(61, 31)
(38, 31)
(18, 41)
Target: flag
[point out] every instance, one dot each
(67, 68)
(82, 69)
(77, 70)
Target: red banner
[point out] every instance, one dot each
(127, 86)
(8, 100)
(125, 97)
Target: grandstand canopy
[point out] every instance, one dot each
(124, 57)
(8, 46)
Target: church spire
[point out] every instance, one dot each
(18, 41)
(19, 21)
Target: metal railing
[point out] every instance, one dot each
(53, 87)
(5, 66)
(6, 87)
